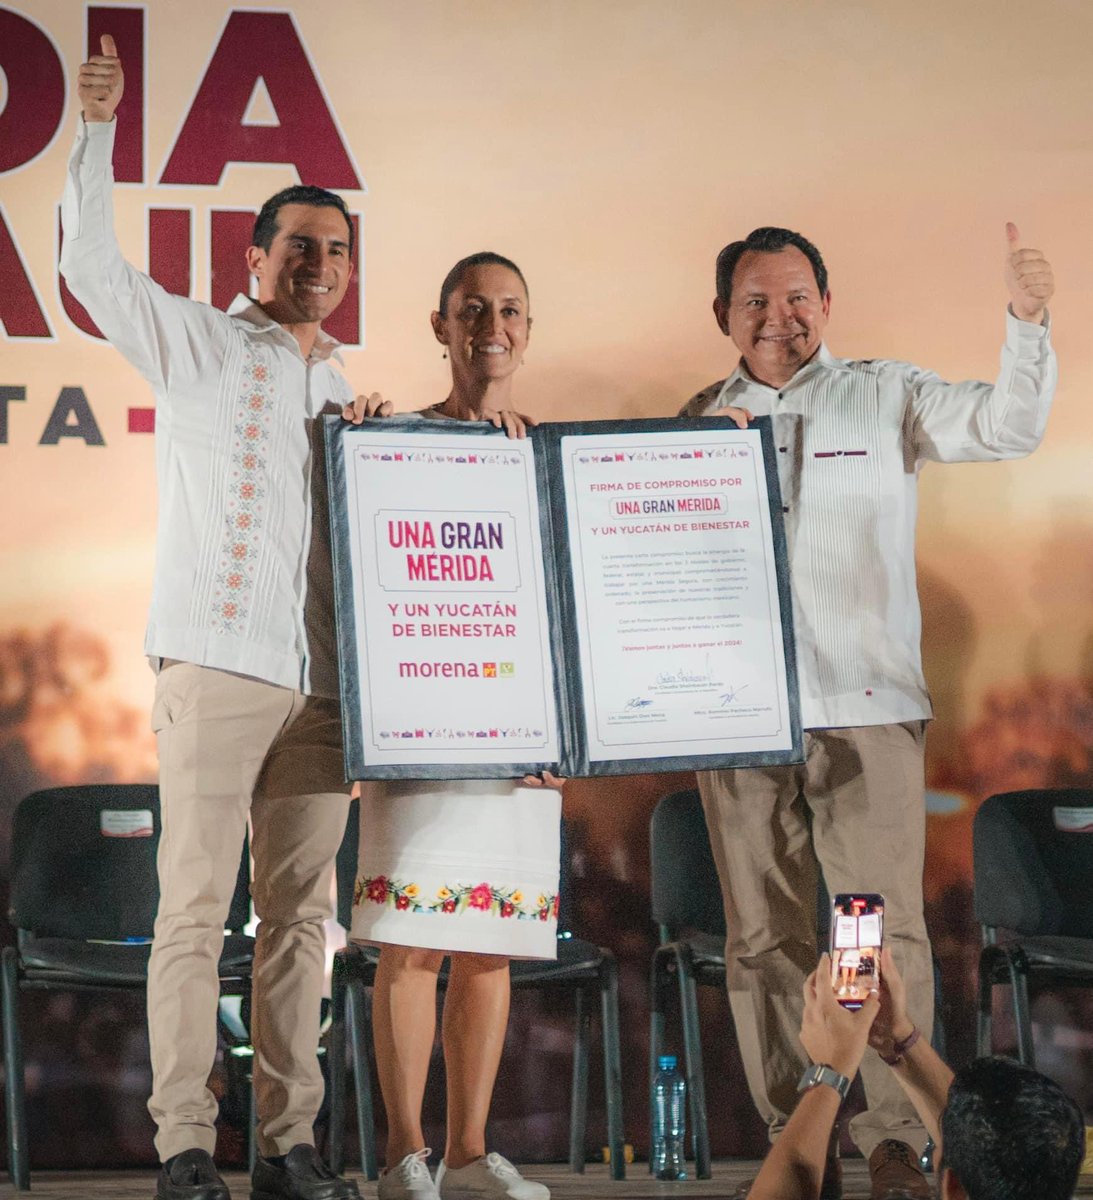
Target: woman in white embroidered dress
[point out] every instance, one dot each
(461, 868)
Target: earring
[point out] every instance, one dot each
(445, 354)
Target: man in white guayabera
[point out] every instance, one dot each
(850, 438)
(241, 635)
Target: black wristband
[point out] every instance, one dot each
(900, 1048)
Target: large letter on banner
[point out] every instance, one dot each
(260, 46)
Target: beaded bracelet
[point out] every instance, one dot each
(899, 1049)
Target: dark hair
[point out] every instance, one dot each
(1009, 1133)
(483, 258)
(768, 240)
(265, 225)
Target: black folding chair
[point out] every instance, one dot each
(581, 968)
(1033, 868)
(84, 893)
(687, 907)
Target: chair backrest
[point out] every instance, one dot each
(83, 864)
(345, 865)
(565, 885)
(1033, 862)
(685, 891)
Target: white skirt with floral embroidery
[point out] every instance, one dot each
(466, 865)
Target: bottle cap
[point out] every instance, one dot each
(667, 1062)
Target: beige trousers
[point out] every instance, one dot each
(854, 810)
(232, 747)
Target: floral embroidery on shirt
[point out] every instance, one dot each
(482, 897)
(244, 509)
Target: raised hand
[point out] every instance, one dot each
(830, 1033)
(1028, 277)
(100, 82)
(893, 1023)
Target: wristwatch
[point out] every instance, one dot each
(821, 1073)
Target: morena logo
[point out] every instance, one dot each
(456, 670)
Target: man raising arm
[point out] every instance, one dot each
(1003, 1130)
(850, 439)
(241, 637)
(835, 1038)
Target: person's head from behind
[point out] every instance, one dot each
(1009, 1133)
(773, 301)
(483, 319)
(302, 254)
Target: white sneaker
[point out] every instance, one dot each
(492, 1176)
(409, 1179)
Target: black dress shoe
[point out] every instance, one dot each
(304, 1176)
(192, 1176)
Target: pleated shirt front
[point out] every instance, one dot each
(850, 439)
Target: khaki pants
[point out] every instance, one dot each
(855, 810)
(229, 747)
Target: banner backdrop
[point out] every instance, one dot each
(611, 149)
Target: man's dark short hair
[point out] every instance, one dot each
(483, 258)
(265, 225)
(1009, 1133)
(768, 240)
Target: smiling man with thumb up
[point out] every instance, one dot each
(850, 438)
(241, 637)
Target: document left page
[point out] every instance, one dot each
(450, 657)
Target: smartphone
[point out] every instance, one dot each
(857, 934)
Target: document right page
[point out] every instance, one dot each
(680, 618)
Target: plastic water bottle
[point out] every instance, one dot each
(669, 1109)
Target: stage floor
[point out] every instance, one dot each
(727, 1174)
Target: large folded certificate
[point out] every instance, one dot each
(598, 599)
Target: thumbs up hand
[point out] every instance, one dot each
(100, 83)
(1028, 277)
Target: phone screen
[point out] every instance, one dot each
(857, 933)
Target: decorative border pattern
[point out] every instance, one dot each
(463, 735)
(482, 897)
(618, 456)
(245, 509)
(439, 456)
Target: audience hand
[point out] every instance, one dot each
(892, 1024)
(831, 1033)
(367, 406)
